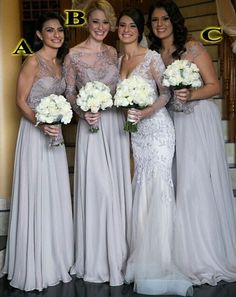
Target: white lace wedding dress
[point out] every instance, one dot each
(151, 265)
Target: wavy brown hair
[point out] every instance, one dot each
(179, 29)
(38, 43)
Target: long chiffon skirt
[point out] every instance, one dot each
(206, 217)
(40, 238)
(102, 200)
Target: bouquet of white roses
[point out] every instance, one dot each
(54, 109)
(133, 92)
(178, 75)
(181, 74)
(94, 96)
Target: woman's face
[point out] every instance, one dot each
(127, 30)
(161, 24)
(98, 25)
(52, 34)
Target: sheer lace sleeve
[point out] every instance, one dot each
(194, 49)
(70, 77)
(157, 68)
(113, 54)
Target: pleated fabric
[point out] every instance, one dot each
(206, 209)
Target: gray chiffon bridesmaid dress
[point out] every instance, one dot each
(40, 239)
(102, 191)
(205, 241)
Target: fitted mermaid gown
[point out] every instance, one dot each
(151, 265)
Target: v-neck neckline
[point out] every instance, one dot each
(136, 67)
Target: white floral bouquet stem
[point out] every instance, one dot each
(130, 125)
(93, 128)
(56, 140)
(178, 105)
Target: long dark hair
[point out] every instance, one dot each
(38, 44)
(179, 29)
(137, 16)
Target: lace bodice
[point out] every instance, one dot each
(193, 50)
(45, 84)
(152, 69)
(82, 66)
(153, 143)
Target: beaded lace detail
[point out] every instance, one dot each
(153, 143)
(153, 148)
(151, 69)
(81, 67)
(45, 84)
(193, 50)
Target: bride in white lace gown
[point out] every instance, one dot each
(150, 265)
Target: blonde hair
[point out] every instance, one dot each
(106, 7)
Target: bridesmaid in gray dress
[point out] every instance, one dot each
(40, 238)
(102, 192)
(205, 244)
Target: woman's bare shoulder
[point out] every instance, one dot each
(30, 64)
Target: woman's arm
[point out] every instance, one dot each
(211, 85)
(70, 77)
(24, 84)
(71, 92)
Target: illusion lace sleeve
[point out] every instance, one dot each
(113, 54)
(157, 69)
(194, 49)
(70, 77)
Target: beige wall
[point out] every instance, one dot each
(10, 34)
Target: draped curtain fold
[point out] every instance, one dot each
(226, 14)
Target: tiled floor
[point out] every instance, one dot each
(77, 288)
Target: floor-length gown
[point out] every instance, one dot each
(151, 265)
(102, 192)
(206, 217)
(40, 238)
